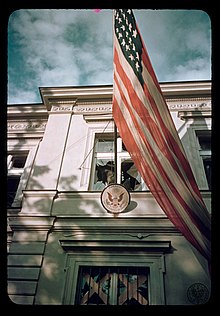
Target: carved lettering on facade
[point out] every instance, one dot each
(93, 109)
(190, 106)
(108, 108)
(26, 126)
(82, 109)
(61, 108)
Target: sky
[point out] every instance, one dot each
(74, 47)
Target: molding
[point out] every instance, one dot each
(98, 117)
(40, 193)
(162, 246)
(113, 228)
(184, 115)
(86, 93)
(95, 107)
(144, 195)
(27, 110)
(31, 222)
(105, 92)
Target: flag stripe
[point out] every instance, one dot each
(150, 124)
(148, 132)
(161, 165)
(143, 111)
(166, 200)
(172, 143)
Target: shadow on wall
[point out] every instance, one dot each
(52, 255)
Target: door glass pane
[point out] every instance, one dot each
(112, 286)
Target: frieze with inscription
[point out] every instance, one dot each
(62, 108)
(108, 108)
(189, 106)
(93, 109)
(27, 126)
(82, 109)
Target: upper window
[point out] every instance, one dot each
(104, 166)
(16, 163)
(204, 140)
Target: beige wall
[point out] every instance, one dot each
(59, 215)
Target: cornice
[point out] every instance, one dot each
(27, 110)
(67, 95)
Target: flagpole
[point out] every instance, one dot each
(115, 127)
(115, 151)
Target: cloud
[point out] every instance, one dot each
(60, 47)
(197, 68)
(177, 40)
(49, 47)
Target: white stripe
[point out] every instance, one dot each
(202, 241)
(139, 91)
(195, 205)
(141, 146)
(138, 88)
(161, 105)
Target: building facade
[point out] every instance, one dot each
(64, 246)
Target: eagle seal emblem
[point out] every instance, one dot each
(115, 198)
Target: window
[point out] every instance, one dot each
(103, 166)
(16, 163)
(112, 286)
(204, 140)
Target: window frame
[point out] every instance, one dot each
(152, 259)
(18, 173)
(121, 156)
(196, 155)
(204, 153)
(192, 127)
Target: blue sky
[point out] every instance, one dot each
(73, 47)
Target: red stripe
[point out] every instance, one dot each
(169, 137)
(145, 115)
(196, 220)
(151, 125)
(148, 62)
(164, 135)
(155, 187)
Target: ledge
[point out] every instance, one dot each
(104, 245)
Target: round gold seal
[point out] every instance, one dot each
(115, 198)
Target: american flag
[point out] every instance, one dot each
(149, 134)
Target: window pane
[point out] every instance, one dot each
(128, 174)
(104, 174)
(123, 147)
(19, 161)
(12, 186)
(104, 166)
(105, 146)
(130, 177)
(204, 138)
(208, 170)
(205, 141)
